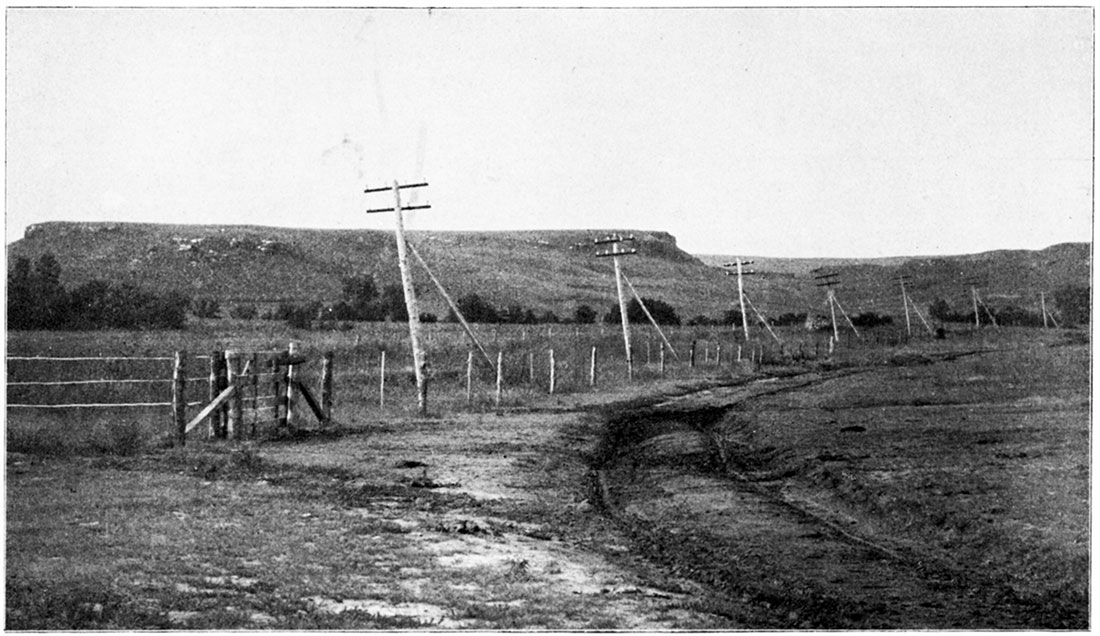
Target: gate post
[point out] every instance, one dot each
(326, 386)
(217, 369)
(291, 391)
(232, 376)
(179, 396)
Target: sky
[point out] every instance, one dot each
(859, 132)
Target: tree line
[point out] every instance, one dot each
(37, 300)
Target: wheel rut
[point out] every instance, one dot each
(662, 475)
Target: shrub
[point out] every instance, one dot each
(206, 308)
(662, 312)
(787, 319)
(1074, 302)
(298, 316)
(584, 315)
(243, 312)
(475, 309)
(940, 310)
(871, 319)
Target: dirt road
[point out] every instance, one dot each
(809, 499)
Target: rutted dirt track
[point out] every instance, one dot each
(668, 481)
(937, 492)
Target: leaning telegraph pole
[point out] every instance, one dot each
(420, 361)
(615, 251)
(741, 291)
(905, 301)
(1046, 313)
(829, 281)
(976, 299)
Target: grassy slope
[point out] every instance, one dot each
(545, 270)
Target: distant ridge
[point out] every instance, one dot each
(542, 270)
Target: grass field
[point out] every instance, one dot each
(963, 463)
(357, 351)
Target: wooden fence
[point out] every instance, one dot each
(243, 390)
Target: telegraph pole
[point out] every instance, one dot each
(741, 291)
(829, 281)
(905, 301)
(420, 361)
(974, 282)
(615, 251)
(1046, 313)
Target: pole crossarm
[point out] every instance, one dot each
(616, 249)
(390, 188)
(403, 208)
(613, 238)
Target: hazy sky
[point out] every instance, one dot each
(776, 132)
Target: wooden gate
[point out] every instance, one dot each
(243, 384)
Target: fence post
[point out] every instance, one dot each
(326, 385)
(217, 358)
(232, 378)
(276, 392)
(500, 375)
(592, 368)
(530, 367)
(719, 355)
(553, 372)
(469, 377)
(691, 355)
(291, 391)
(254, 365)
(382, 380)
(662, 354)
(179, 396)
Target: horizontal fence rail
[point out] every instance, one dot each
(279, 387)
(90, 359)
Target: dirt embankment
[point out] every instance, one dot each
(936, 493)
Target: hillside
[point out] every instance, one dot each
(543, 270)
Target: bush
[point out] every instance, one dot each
(940, 310)
(788, 319)
(662, 312)
(243, 312)
(298, 316)
(206, 308)
(474, 308)
(584, 315)
(1074, 302)
(871, 319)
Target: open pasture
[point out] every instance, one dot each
(461, 379)
(928, 484)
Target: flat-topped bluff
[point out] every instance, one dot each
(545, 270)
(554, 270)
